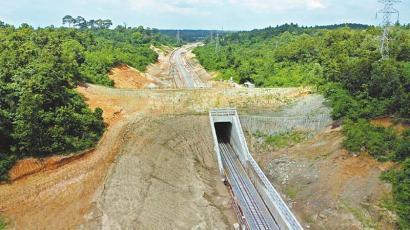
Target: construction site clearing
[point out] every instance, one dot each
(155, 167)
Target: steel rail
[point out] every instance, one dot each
(244, 192)
(258, 215)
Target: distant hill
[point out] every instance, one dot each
(200, 35)
(191, 35)
(349, 25)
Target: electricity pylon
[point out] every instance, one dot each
(217, 43)
(388, 11)
(178, 37)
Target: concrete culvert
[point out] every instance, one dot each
(223, 131)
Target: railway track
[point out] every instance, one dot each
(256, 213)
(183, 72)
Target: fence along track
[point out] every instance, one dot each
(277, 125)
(309, 114)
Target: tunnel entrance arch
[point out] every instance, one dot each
(223, 131)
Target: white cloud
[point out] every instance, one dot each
(315, 4)
(276, 5)
(187, 7)
(201, 7)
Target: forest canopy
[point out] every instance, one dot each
(40, 112)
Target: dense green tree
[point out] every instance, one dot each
(106, 24)
(68, 19)
(80, 22)
(92, 24)
(384, 79)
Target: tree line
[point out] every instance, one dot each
(81, 23)
(41, 114)
(344, 64)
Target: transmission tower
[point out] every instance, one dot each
(217, 42)
(178, 37)
(388, 12)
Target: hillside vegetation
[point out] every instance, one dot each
(40, 112)
(342, 62)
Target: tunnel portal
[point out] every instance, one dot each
(223, 131)
(260, 204)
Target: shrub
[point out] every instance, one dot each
(6, 162)
(3, 223)
(403, 148)
(400, 179)
(363, 136)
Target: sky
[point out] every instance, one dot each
(198, 14)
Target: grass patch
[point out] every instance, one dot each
(359, 215)
(387, 202)
(3, 223)
(285, 139)
(291, 191)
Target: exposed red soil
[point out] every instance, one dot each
(31, 165)
(126, 77)
(56, 192)
(59, 194)
(389, 122)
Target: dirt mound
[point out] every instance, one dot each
(126, 77)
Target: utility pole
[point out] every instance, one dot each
(388, 11)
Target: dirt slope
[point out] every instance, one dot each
(126, 77)
(156, 75)
(327, 187)
(59, 197)
(165, 178)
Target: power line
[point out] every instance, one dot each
(388, 11)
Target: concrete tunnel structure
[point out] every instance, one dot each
(257, 204)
